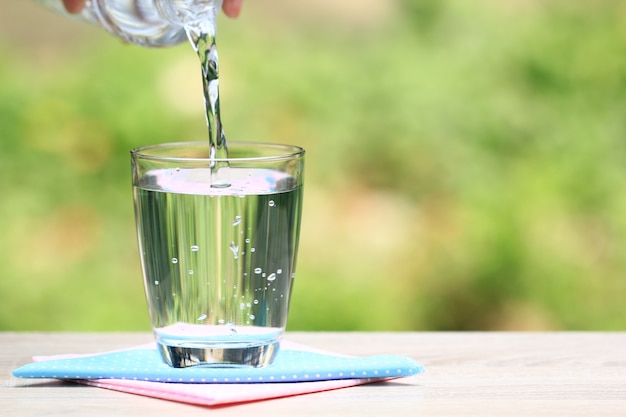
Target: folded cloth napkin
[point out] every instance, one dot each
(296, 370)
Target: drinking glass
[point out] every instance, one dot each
(218, 240)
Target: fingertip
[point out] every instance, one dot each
(74, 6)
(232, 8)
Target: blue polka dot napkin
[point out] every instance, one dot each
(289, 366)
(296, 370)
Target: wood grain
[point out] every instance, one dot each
(469, 374)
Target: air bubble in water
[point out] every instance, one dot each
(252, 249)
(257, 271)
(156, 282)
(271, 203)
(279, 271)
(252, 316)
(194, 248)
(247, 240)
(174, 260)
(202, 317)
(191, 272)
(242, 306)
(256, 301)
(237, 220)
(271, 277)
(221, 321)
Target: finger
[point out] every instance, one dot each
(74, 6)
(232, 8)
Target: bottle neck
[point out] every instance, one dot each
(189, 13)
(153, 23)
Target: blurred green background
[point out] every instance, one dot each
(466, 159)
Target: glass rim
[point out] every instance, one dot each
(288, 152)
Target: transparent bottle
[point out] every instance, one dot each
(149, 23)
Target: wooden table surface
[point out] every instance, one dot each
(467, 374)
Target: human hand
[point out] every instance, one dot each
(231, 8)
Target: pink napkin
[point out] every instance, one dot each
(217, 393)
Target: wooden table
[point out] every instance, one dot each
(468, 374)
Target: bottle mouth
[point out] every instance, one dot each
(156, 23)
(190, 13)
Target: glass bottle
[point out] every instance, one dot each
(149, 23)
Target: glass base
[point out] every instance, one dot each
(222, 355)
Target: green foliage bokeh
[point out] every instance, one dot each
(465, 164)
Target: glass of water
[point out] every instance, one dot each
(218, 240)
